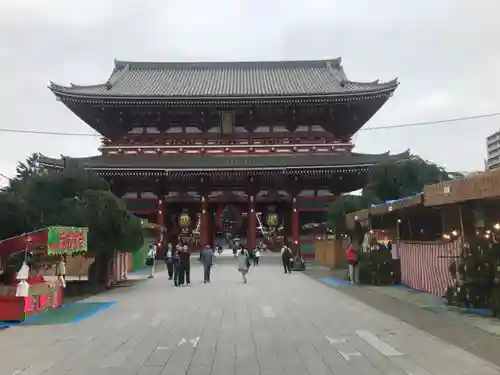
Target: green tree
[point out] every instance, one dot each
(47, 194)
(13, 215)
(29, 167)
(111, 227)
(25, 170)
(77, 197)
(132, 237)
(396, 180)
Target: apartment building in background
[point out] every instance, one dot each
(493, 150)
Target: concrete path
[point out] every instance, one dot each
(276, 324)
(477, 334)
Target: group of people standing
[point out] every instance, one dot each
(178, 264)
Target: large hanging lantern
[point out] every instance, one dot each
(184, 220)
(272, 220)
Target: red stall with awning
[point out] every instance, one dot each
(44, 248)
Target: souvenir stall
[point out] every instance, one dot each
(24, 290)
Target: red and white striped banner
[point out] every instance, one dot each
(425, 266)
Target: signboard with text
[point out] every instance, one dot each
(66, 240)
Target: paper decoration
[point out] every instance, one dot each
(23, 289)
(24, 272)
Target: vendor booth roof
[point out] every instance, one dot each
(55, 240)
(384, 208)
(472, 187)
(20, 243)
(353, 217)
(397, 204)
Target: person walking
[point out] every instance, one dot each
(352, 259)
(176, 266)
(168, 261)
(207, 258)
(185, 266)
(150, 260)
(243, 264)
(286, 259)
(219, 249)
(256, 256)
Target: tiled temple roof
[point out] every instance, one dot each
(225, 80)
(219, 162)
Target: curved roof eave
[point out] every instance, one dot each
(101, 162)
(62, 91)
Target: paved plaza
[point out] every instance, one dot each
(276, 324)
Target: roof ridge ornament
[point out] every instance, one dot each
(116, 75)
(336, 71)
(337, 61)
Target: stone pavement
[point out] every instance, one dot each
(479, 335)
(436, 304)
(276, 324)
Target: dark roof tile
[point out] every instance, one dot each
(225, 79)
(240, 162)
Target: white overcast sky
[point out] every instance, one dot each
(446, 54)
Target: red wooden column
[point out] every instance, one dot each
(204, 235)
(295, 225)
(252, 222)
(160, 220)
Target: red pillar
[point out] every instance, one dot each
(160, 220)
(295, 225)
(204, 235)
(252, 222)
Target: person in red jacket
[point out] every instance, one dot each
(352, 259)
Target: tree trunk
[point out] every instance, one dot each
(99, 270)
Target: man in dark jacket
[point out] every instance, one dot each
(176, 266)
(286, 258)
(168, 260)
(207, 259)
(185, 266)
